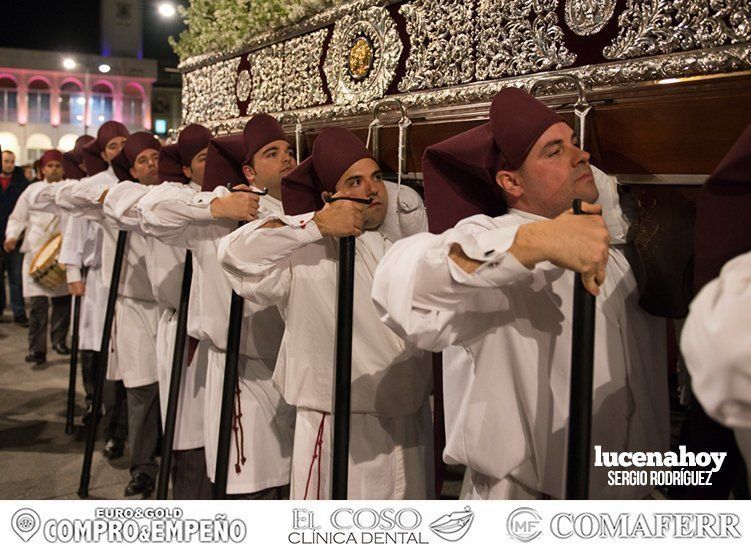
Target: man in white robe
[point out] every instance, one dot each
(40, 228)
(261, 445)
(165, 265)
(291, 261)
(497, 288)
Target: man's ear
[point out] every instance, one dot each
(133, 174)
(249, 174)
(104, 157)
(325, 195)
(509, 182)
(187, 172)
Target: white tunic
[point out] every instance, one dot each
(507, 410)
(180, 216)
(133, 347)
(295, 268)
(40, 226)
(82, 248)
(716, 343)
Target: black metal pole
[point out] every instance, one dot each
(228, 396)
(101, 368)
(73, 366)
(580, 405)
(343, 382)
(178, 358)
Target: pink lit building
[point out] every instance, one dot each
(43, 104)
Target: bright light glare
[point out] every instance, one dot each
(167, 9)
(69, 63)
(81, 101)
(104, 67)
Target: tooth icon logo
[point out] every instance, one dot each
(25, 523)
(454, 526)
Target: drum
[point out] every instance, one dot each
(45, 268)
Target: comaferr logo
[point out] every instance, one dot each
(641, 525)
(524, 524)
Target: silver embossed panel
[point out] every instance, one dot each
(268, 79)
(441, 43)
(302, 57)
(519, 37)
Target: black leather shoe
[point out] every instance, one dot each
(61, 349)
(22, 320)
(140, 483)
(37, 358)
(113, 449)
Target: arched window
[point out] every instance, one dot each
(36, 144)
(101, 103)
(9, 142)
(39, 101)
(133, 105)
(72, 103)
(8, 100)
(67, 142)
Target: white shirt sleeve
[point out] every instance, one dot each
(19, 219)
(427, 299)
(120, 205)
(257, 261)
(42, 198)
(172, 212)
(83, 198)
(716, 343)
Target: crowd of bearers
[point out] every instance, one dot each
(483, 272)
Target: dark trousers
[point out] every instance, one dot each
(88, 368)
(189, 477)
(143, 428)
(115, 418)
(38, 314)
(12, 263)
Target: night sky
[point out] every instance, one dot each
(72, 26)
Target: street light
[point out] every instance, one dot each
(69, 63)
(167, 9)
(104, 68)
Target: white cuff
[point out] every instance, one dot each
(73, 274)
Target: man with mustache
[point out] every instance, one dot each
(290, 260)
(495, 291)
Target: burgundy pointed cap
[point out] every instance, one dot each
(460, 171)
(135, 144)
(334, 151)
(192, 140)
(108, 131)
(723, 213)
(92, 152)
(74, 157)
(261, 130)
(224, 162)
(459, 175)
(518, 120)
(170, 165)
(51, 155)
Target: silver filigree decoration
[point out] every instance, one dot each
(441, 43)
(651, 27)
(302, 56)
(268, 78)
(197, 95)
(243, 86)
(223, 99)
(379, 28)
(519, 37)
(586, 17)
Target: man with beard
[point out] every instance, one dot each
(12, 184)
